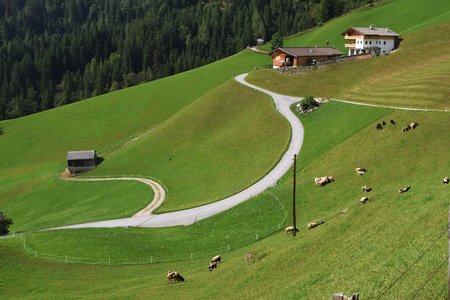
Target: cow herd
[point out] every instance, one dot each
(174, 276)
(405, 128)
(383, 123)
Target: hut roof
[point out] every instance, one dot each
(76, 155)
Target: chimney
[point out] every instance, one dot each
(371, 26)
(310, 50)
(387, 30)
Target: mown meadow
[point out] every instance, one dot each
(394, 247)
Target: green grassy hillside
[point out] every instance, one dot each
(359, 248)
(413, 76)
(402, 16)
(34, 147)
(215, 147)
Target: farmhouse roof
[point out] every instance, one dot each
(382, 31)
(309, 51)
(76, 155)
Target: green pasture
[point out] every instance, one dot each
(215, 147)
(413, 76)
(204, 137)
(402, 16)
(359, 248)
(33, 148)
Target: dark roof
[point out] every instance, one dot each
(373, 31)
(75, 155)
(309, 51)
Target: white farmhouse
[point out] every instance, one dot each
(376, 41)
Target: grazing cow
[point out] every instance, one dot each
(290, 229)
(212, 266)
(249, 256)
(366, 188)
(321, 181)
(383, 123)
(404, 190)
(379, 127)
(361, 171)
(392, 122)
(314, 224)
(445, 180)
(405, 128)
(342, 296)
(413, 125)
(216, 259)
(174, 276)
(364, 200)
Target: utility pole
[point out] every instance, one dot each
(294, 220)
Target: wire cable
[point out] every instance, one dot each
(412, 265)
(429, 278)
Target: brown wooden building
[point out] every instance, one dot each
(81, 161)
(302, 56)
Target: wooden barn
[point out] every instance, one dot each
(81, 161)
(302, 56)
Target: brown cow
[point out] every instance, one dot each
(290, 229)
(364, 200)
(314, 224)
(212, 266)
(404, 190)
(216, 259)
(174, 276)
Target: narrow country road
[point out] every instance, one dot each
(190, 216)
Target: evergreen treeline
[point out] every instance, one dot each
(54, 52)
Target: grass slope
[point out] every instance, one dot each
(412, 76)
(215, 147)
(33, 148)
(402, 16)
(359, 248)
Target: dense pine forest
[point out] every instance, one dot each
(54, 52)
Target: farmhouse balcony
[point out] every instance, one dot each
(352, 37)
(352, 45)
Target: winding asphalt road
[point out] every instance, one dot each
(190, 216)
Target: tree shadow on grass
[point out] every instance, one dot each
(1, 131)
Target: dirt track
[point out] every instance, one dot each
(158, 198)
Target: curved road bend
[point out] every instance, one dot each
(192, 215)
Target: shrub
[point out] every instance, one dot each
(4, 224)
(308, 103)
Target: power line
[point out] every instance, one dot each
(412, 265)
(429, 278)
(441, 291)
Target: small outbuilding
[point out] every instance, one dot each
(302, 56)
(81, 161)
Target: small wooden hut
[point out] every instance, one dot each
(81, 161)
